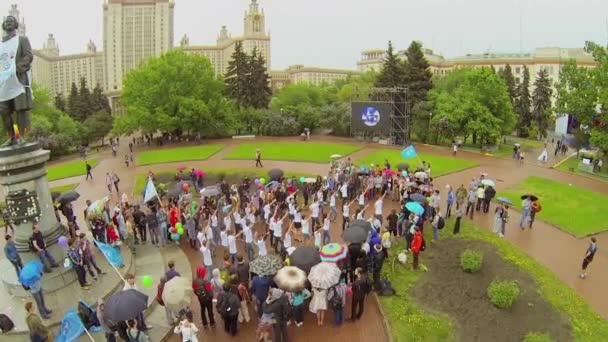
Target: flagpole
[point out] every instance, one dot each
(87, 331)
(109, 262)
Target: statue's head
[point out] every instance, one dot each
(10, 24)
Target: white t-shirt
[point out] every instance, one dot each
(332, 200)
(224, 238)
(278, 229)
(261, 247)
(326, 224)
(209, 233)
(237, 218)
(200, 236)
(287, 241)
(315, 209)
(213, 220)
(232, 244)
(248, 234)
(362, 199)
(345, 210)
(318, 238)
(378, 207)
(266, 212)
(297, 217)
(344, 190)
(227, 222)
(306, 228)
(360, 216)
(207, 259)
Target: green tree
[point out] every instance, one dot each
(99, 102)
(599, 77)
(259, 84)
(523, 104)
(84, 97)
(60, 102)
(74, 102)
(507, 75)
(175, 92)
(237, 76)
(392, 73)
(417, 77)
(97, 126)
(541, 102)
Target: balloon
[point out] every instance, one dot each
(62, 242)
(404, 173)
(175, 237)
(173, 230)
(179, 225)
(147, 281)
(180, 231)
(260, 186)
(302, 179)
(262, 180)
(186, 187)
(256, 181)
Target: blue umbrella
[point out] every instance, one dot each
(31, 272)
(414, 207)
(504, 200)
(271, 183)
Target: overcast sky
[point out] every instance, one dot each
(333, 33)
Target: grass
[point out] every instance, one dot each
(171, 155)
(410, 322)
(572, 163)
(440, 165)
(64, 188)
(575, 210)
(69, 169)
(292, 151)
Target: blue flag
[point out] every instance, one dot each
(150, 192)
(71, 327)
(409, 152)
(112, 254)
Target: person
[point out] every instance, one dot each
(76, 259)
(361, 288)
(336, 296)
(109, 182)
(481, 194)
(38, 295)
(392, 219)
(490, 192)
(258, 158)
(526, 206)
(436, 223)
(377, 261)
(450, 201)
(461, 195)
(171, 272)
(228, 304)
(153, 226)
(170, 314)
(134, 333)
(471, 200)
(245, 298)
(326, 232)
(38, 331)
(11, 254)
(204, 292)
(504, 217)
(260, 285)
(416, 246)
(378, 207)
(130, 285)
(589, 257)
(277, 304)
(318, 304)
(534, 209)
(207, 257)
(187, 329)
(88, 258)
(459, 214)
(297, 305)
(248, 234)
(115, 180)
(39, 246)
(107, 330)
(88, 168)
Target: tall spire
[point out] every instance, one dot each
(14, 11)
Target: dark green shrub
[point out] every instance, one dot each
(471, 260)
(503, 293)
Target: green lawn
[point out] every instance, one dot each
(69, 169)
(292, 151)
(410, 322)
(575, 210)
(440, 165)
(64, 188)
(170, 155)
(572, 163)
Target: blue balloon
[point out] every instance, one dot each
(175, 237)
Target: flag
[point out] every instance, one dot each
(71, 327)
(112, 254)
(409, 152)
(150, 192)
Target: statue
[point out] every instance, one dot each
(15, 82)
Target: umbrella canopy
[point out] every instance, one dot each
(176, 189)
(68, 197)
(355, 234)
(335, 156)
(324, 275)
(55, 195)
(177, 293)
(304, 258)
(414, 207)
(31, 272)
(532, 197)
(333, 252)
(96, 208)
(388, 172)
(488, 182)
(266, 265)
(199, 173)
(210, 191)
(310, 180)
(290, 278)
(403, 166)
(504, 200)
(275, 174)
(421, 174)
(271, 184)
(418, 198)
(125, 305)
(362, 224)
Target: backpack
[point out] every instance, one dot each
(336, 301)
(536, 207)
(133, 338)
(6, 324)
(440, 223)
(231, 305)
(203, 295)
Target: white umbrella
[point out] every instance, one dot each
(290, 278)
(421, 174)
(324, 275)
(310, 180)
(335, 156)
(177, 293)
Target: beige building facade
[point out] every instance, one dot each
(313, 75)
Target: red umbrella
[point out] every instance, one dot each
(389, 172)
(199, 173)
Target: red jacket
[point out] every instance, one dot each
(417, 242)
(201, 272)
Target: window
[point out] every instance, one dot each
(517, 70)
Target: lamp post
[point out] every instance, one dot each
(430, 117)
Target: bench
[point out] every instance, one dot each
(250, 136)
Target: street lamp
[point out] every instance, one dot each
(430, 117)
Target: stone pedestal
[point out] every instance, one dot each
(24, 168)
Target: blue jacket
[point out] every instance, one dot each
(11, 251)
(259, 287)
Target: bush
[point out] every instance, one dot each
(471, 260)
(503, 293)
(537, 337)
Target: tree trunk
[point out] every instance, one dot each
(474, 138)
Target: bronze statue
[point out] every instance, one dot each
(15, 81)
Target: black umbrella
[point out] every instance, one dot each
(125, 305)
(532, 197)
(355, 234)
(363, 173)
(363, 224)
(304, 258)
(418, 198)
(55, 195)
(341, 178)
(68, 197)
(403, 166)
(275, 174)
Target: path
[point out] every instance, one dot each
(558, 251)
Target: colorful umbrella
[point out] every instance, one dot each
(290, 278)
(177, 293)
(333, 252)
(324, 275)
(414, 207)
(304, 258)
(266, 265)
(31, 272)
(125, 305)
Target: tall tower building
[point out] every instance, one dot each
(133, 31)
(14, 11)
(50, 47)
(254, 33)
